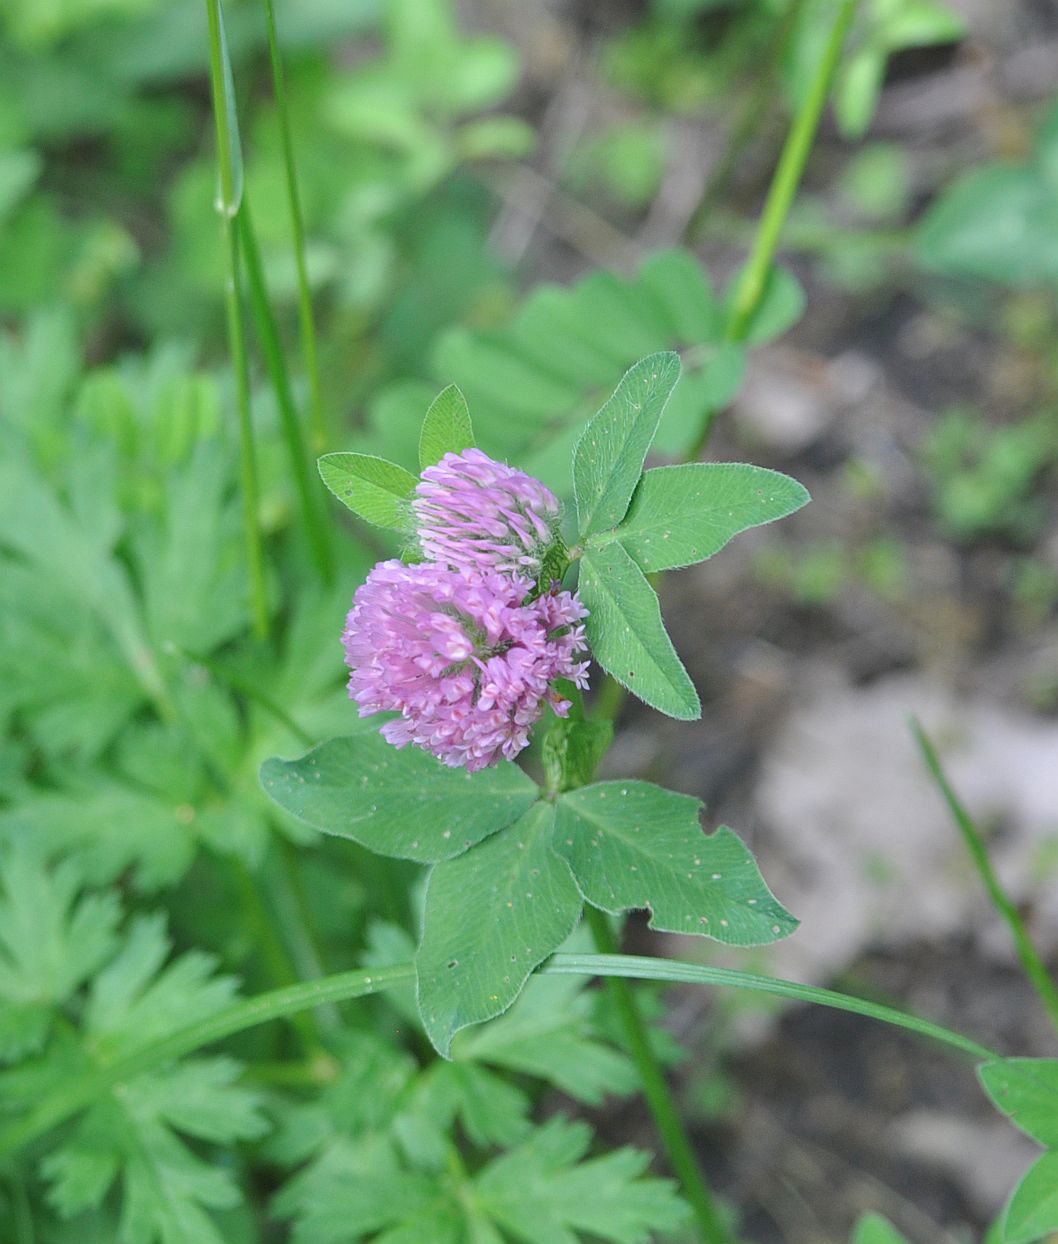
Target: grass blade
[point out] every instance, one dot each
(310, 496)
(230, 176)
(1034, 967)
(318, 423)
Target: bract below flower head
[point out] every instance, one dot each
(478, 514)
(464, 656)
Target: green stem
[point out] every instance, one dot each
(345, 986)
(230, 193)
(318, 425)
(638, 967)
(273, 952)
(1035, 970)
(309, 492)
(753, 281)
(277, 1004)
(657, 1093)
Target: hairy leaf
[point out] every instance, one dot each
(635, 845)
(446, 428)
(404, 803)
(627, 635)
(374, 489)
(608, 458)
(684, 514)
(491, 917)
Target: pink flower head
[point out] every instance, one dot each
(477, 514)
(464, 656)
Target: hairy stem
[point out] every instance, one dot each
(659, 1097)
(1035, 969)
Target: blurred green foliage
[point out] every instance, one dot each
(988, 479)
(135, 706)
(1000, 222)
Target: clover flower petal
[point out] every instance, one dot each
(466, 656)
(474, 513)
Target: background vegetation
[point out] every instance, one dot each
(523, 200)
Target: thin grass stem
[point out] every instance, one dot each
(307, 321)
(710, 1221)
(230, 177)
(1035, 969)
(345, 986)
(310, 494)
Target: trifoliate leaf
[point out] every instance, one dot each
(542, 1193)
(404, 803)
(635, 845)
(491, 917)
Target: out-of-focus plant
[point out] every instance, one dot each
(1000, 222)
(986, 477)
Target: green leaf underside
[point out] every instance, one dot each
(683, 514)
(374, 489)
(627, 635)
(635, 845)
(491, 917)
(446, 429)
(1026, 1091)
(608, 458)
(1033, 1209)
(874, 1229)
(402, 803)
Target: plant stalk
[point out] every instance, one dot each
(228, 206)
(1035, 970)
(754, 278)
(318, 424)
(345, 986)
(310, 494)
(711, 1225)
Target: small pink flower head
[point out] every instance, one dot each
(477, 514)
(464, 656)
